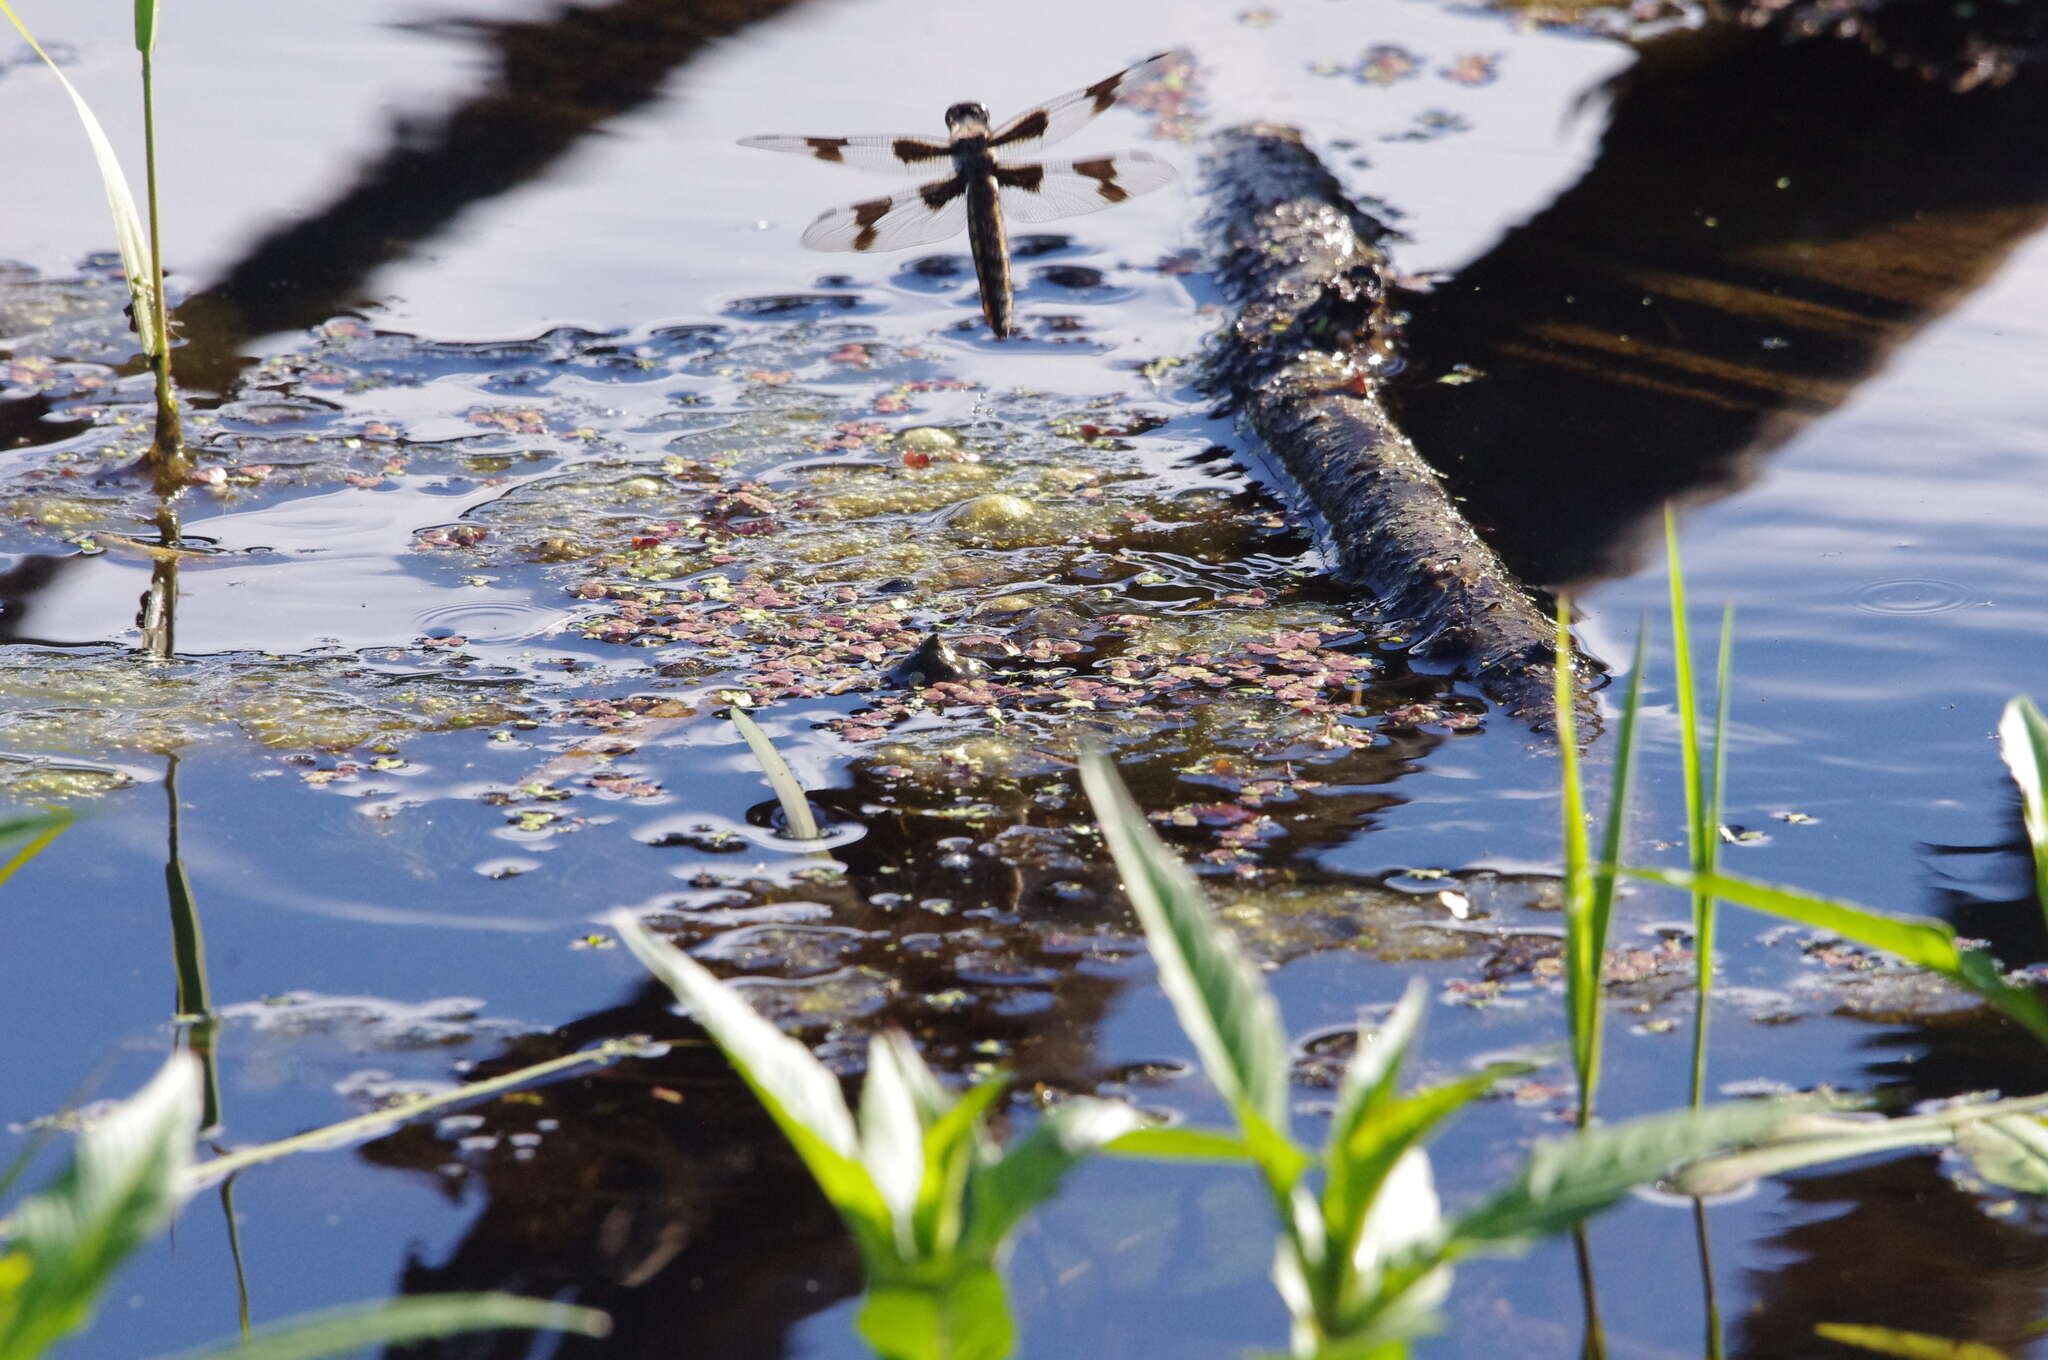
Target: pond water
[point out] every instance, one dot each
(533, 434)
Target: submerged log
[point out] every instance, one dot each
(1302, 362)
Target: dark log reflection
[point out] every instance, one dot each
(1766, 221)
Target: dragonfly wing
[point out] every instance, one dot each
(889, 154)
(915, 217)
(1047, 190)
(1058, 119)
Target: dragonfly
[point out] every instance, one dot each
(984, 187)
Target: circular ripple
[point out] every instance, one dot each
(1910, 595)
(488, 621)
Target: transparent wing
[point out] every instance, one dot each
(914, 217)
(885, 152)
(1041, 192)
(1057, 119)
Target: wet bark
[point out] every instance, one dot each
(1302, 363)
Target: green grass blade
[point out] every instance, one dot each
(1905, 1345)
(1590, 954)
(145, 26)
(1217, 992)
(395, 1322)
(41, 829)
(123, 1184)
(800, 1095)
(796, 807)
(1582, 949)
(2023, 741)
(128, 230)
(1919, 940)
(1702, 836)
(391, 1116)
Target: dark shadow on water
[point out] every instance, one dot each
(1894, 1244)
(1766, 221)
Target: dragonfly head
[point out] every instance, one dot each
(967, 118)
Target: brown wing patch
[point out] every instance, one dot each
(1103, 172)
(910, 150)
(865, 216)
(940, 192)
(1028, 128)
(1104, 92)
(827, 148)
(1025, 177)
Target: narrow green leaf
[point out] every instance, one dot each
(2023, 741)
(122, 1185)
(796, 806)
(396, 1322)
(128, 230)
(1181, 1144)
(1919, 940)
(1906, 1345)
(1216, 991)
(145, 26)
(800, 1095)
(1030, 1170)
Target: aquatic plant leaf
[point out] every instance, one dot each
(1360, 1169)
(966, 1316)
(344, 1331)
(800, 1095)
(1568, 1179)
(1812, 1139)
(892, 1132)
(1029, 1171)
(2010, 1150)
(1181, 1145)
(122, 1185)
(2023, 741)
(1919, 940)
(128, 230)
(1217, 993)
(1906, 1345)
(796, 806)
(954, 1144)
